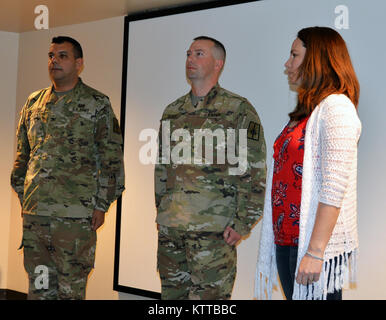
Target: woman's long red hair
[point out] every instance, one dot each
(326, 69)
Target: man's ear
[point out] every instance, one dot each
(79, 65)
(219, 65)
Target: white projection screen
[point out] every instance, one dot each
(258, 36)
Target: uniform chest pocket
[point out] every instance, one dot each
(198, 139)
(217, 122)
(37, 125)
(193, 122)
(81, 123)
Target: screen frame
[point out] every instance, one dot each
(149, 14)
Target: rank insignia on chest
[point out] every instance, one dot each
(253, 131)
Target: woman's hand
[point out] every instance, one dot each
(311, 267)
(309, 270)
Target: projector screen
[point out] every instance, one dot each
(257, 36)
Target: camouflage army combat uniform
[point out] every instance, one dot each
(196, 202)
(68, 163)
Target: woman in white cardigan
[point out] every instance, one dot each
(314, 248)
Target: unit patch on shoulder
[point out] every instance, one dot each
(253, 131)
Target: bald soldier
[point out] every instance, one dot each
(68, 170)
(205, 207)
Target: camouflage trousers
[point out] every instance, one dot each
(195, 265)
(59, 254)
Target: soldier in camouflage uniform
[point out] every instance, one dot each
(68, 170)
(202, 210)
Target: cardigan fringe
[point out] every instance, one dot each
(342, 270)
(341, 275)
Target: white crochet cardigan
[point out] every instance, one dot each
(330, 177)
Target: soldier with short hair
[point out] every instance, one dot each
(202, 209)
(68, 170)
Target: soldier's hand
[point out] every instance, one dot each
(98, 218)
(231, 237)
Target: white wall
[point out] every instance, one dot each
(102, 43)
(8, 69)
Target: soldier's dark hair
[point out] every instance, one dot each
(77, 48)
(217, 44)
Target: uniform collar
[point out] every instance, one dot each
(52, 97)
(210, 95)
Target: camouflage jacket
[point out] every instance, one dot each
(69, 154)
(205, 197)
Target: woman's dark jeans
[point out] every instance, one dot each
(286, 257)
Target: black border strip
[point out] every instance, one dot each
(148, 14)
(7, 294)
(156, 13)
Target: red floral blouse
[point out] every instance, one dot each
(287, 183)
